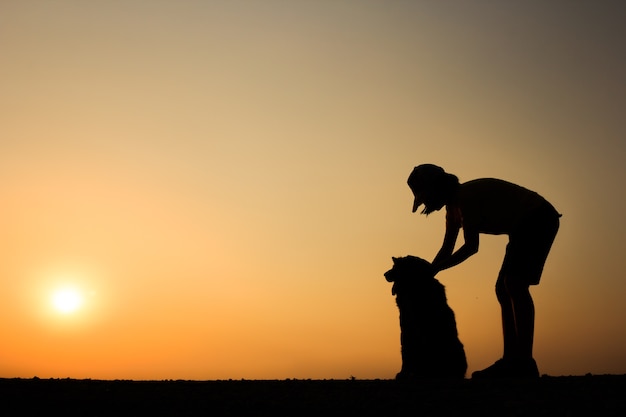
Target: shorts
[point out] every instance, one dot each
(529, 245)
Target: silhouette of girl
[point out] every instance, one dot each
(495, 207)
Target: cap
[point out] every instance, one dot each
(422, 177)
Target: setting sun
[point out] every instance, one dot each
(67, 300)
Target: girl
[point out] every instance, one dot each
(496, 207)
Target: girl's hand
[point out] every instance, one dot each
(433, 269)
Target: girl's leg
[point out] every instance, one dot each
(509, 333)
(502, 367)
(517, 328)
(524, 317)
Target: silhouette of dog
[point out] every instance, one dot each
(428, 335)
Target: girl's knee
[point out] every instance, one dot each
(502, 293)
(511, 287)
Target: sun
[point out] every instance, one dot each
(67, 300)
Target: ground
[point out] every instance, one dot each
(597, 395)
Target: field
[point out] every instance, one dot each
(598, 395)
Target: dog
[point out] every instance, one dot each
(428, 334)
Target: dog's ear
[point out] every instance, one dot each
(394, 259)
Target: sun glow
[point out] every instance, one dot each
(67, 300)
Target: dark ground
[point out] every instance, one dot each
(598, 395)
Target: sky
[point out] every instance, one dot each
(219, 186)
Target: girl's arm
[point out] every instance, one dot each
(446, 258)
(449, 241)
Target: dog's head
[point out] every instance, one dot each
(409, 272)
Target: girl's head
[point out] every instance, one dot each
(431, 186)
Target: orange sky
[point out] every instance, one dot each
(224, 183)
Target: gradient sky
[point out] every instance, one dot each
(224, 182)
